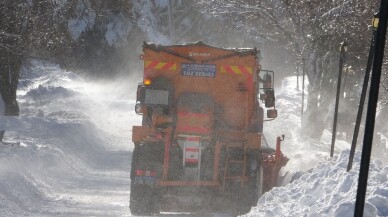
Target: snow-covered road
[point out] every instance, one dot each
(75, 150)
(69, 153)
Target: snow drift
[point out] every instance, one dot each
(328, 190)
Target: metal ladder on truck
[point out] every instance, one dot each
(235, 163)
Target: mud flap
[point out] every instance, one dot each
(144, 200)
(144, 196)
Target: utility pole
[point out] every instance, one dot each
(363, 93)
(343, 49)
(371, 113)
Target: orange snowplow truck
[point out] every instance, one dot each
(200, 146)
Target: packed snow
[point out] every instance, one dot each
(327, 190)
(69, 153)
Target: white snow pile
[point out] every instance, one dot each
(314, 183)
(328, 190)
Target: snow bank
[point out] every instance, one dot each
(50, 92)
(314, 183)
(328, 190)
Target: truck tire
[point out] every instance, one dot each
(143, 199)
(252, 192)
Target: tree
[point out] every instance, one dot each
(310, 30)
(14, 29)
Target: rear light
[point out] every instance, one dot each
(147, 81)
(140, 172)
(148, 173)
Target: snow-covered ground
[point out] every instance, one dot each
(69, 153)
(75, 151)
(315, 184)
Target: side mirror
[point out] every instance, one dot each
(267, 81)
(272, 113)
(269, 98)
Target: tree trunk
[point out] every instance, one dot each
(1, 135)
(313, 122)
(9, 78)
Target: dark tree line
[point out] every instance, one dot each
(14, 30)
(109, 37)
(15, 27)
(310, 32)
(111, 33)
(40, 29)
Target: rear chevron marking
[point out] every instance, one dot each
(153, 64)
(237, 70)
